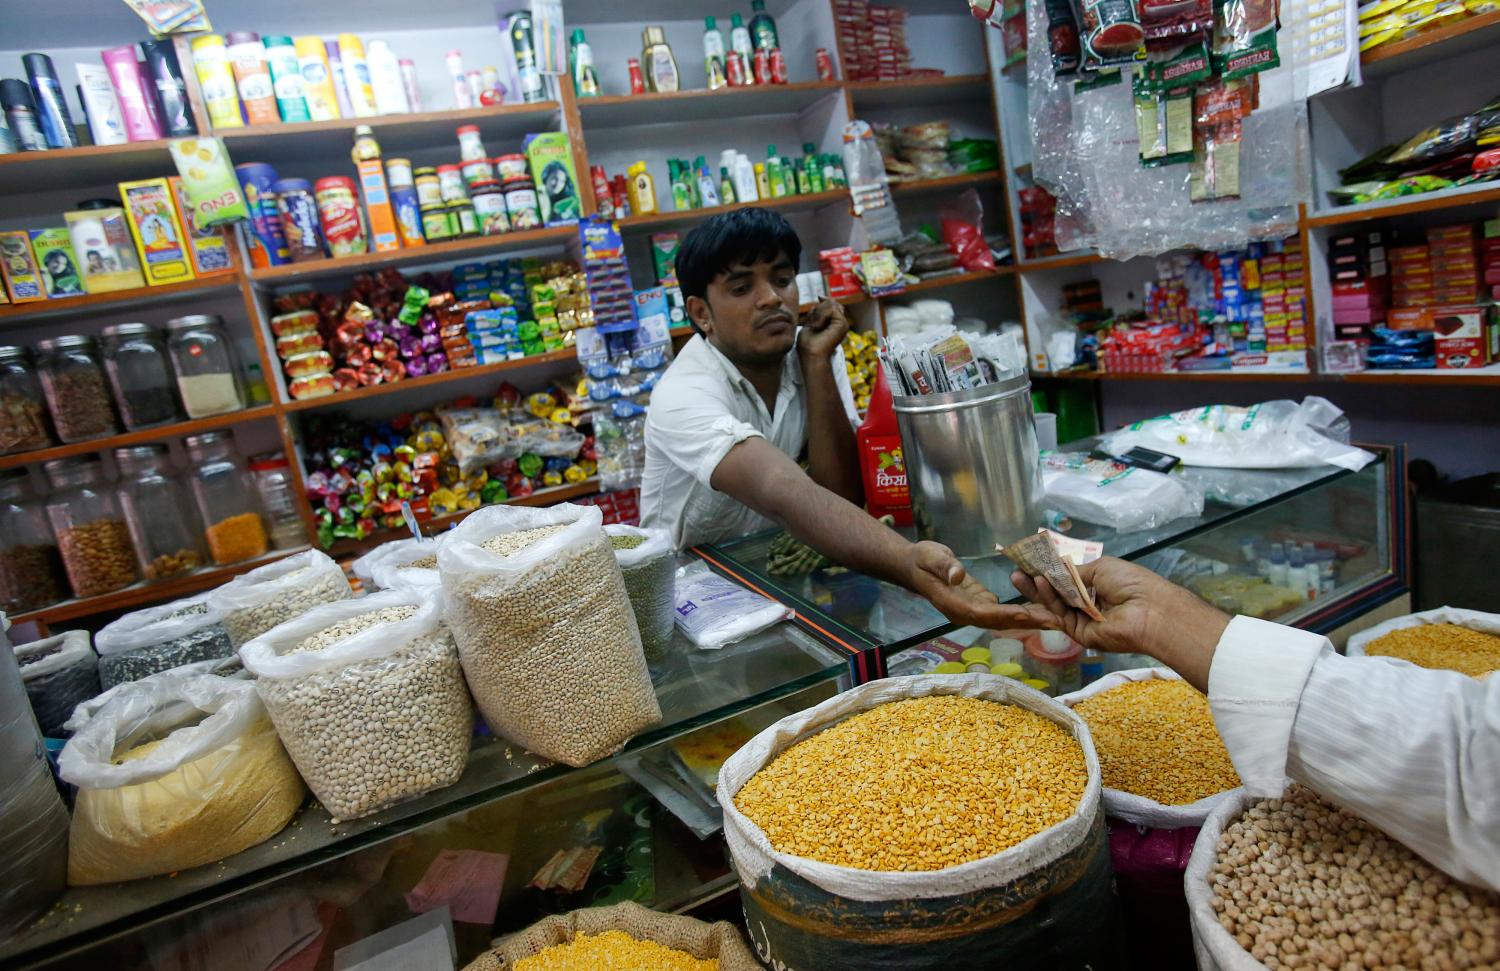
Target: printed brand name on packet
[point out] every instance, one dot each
(208, 182)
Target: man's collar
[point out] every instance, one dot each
(789, 370)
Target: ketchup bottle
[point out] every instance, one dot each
(881, 463)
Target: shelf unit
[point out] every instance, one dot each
(16, 313)
(156, 433)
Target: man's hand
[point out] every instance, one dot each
(935, 573)
(1142, 613)
(822, 330)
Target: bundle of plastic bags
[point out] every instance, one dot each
(1270, 435)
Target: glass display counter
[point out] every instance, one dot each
(290, 902)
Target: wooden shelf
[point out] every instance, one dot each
(396, 133)
(1476, 194)
(677, 107)
(913, 92)
(1181, 376)
(1060, 261)
(84, 167)
(920, 186)
(140, 594)
(156, 434)
(349, 548)
(1485, 377)
(91, 302)
(428, 380)
(458, 249)
(1431, 46)
(660, 220)
(959, 279)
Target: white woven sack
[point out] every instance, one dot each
(754, 857)
(1214, 947)
(1472, 619)
(1138, 809)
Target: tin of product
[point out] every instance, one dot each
(51, 104)
(266, 234)
(408, 210)
(299, 219)
(20, 111)
(489, 207)
(451, 183)
(478, 170)
(436, 223)
(521, 203)
(429, 190)
(512, 167)
(398, 172)
(778, 66)
(340, 216)
(465, 222)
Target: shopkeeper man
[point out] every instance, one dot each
(752, 392)
(1414, 751)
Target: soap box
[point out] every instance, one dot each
(159, 238)
(22, 278)
(54, 256)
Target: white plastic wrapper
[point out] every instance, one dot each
(254, 602)
(714, 612)
(1138, 809)
(1106, 493)
(220, 667)
(1270, 435)
(160, 638)
(399, 563)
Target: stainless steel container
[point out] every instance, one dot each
(972, 465)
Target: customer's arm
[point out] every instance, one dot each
(1414, 751)
(832, 457)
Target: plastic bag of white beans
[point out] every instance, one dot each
(254, 602)
(399, 563)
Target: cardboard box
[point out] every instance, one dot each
(59, 267)
(159, 237)
(384, 236)
(23, 279)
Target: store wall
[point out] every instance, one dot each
(1457, 429)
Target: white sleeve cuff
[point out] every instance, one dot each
(1254, 687)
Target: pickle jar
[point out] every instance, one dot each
(31, 572)
(226, 499)
(208, 374)
(23, 411)
(140, 375)
(159, 513)
(278, 502)
(89, 527)
(73, 383)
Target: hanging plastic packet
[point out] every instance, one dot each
(1110, 33)
(1168, 24)
(1062, 37)
(1245, 37)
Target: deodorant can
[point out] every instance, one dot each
(165, 76)
(20, 111)
(51, 103)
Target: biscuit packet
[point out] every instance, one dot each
(209, 184)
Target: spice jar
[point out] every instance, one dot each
(521, 204)
(31, 572)
(73, 381)
(90, 529)
(489, 207)
(278, 504)
(225, 499)
(163, 524)
(461, 217)
(23, 414)
(140, 375)
(207, 373)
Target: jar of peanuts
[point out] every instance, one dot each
(226, 499)
(90, 529)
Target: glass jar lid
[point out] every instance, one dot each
(71, 471)
(194, 320)
(136, 456)
(127, 330)
(65, 342)
(205, 439)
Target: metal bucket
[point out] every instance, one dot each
(972, 465)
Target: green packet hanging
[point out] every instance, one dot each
(208, 181)
(1244, 38)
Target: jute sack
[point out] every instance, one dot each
(721, 940)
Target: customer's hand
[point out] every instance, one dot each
(1143, 613)
(935, 573)
(823, 329)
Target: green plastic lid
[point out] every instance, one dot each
(710, 23)
(578, 36)
(735, 21)
(276, 41)
(758, 6)
(770, 151)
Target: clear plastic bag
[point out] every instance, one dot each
(1270, 435)
(545, 631)
(376, 715)
(59, 673)
(714, 612)
(1110, 494)
(173, 773)
(253, 603)
(161, 638)
(399, 563)
(650, 572)
(219, 667)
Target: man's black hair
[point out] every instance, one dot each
(739, 236)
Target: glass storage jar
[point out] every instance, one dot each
(208, 374)
(163, 523)
(140, 375)
(23, 412)
(73, 381)
(226, 499)
(278, 503)
(90, 529)
(31, 572)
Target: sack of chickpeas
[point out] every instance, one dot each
(648, 562)
(548, 641)
(174, 772)
(1448, 638)
(160, 638)
(368, 697)
(923, 822)
(1162, 761)
(399, 563)
(254, 602)
(1297, 882)
(623, 935)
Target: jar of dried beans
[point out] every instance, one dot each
(226, 499)
(31, 572)
(161, 517)
(23, 412)
(140, 375)
(73, 381)
(90, 528)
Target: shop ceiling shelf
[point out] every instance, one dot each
(480, 248)
(158, 433)
(428, 380)
(84, 167)
(630, 110)
(1478, 193)
(396, 133)
(919, 92)
(117, 299)
(664, 220)
(1431, 46)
